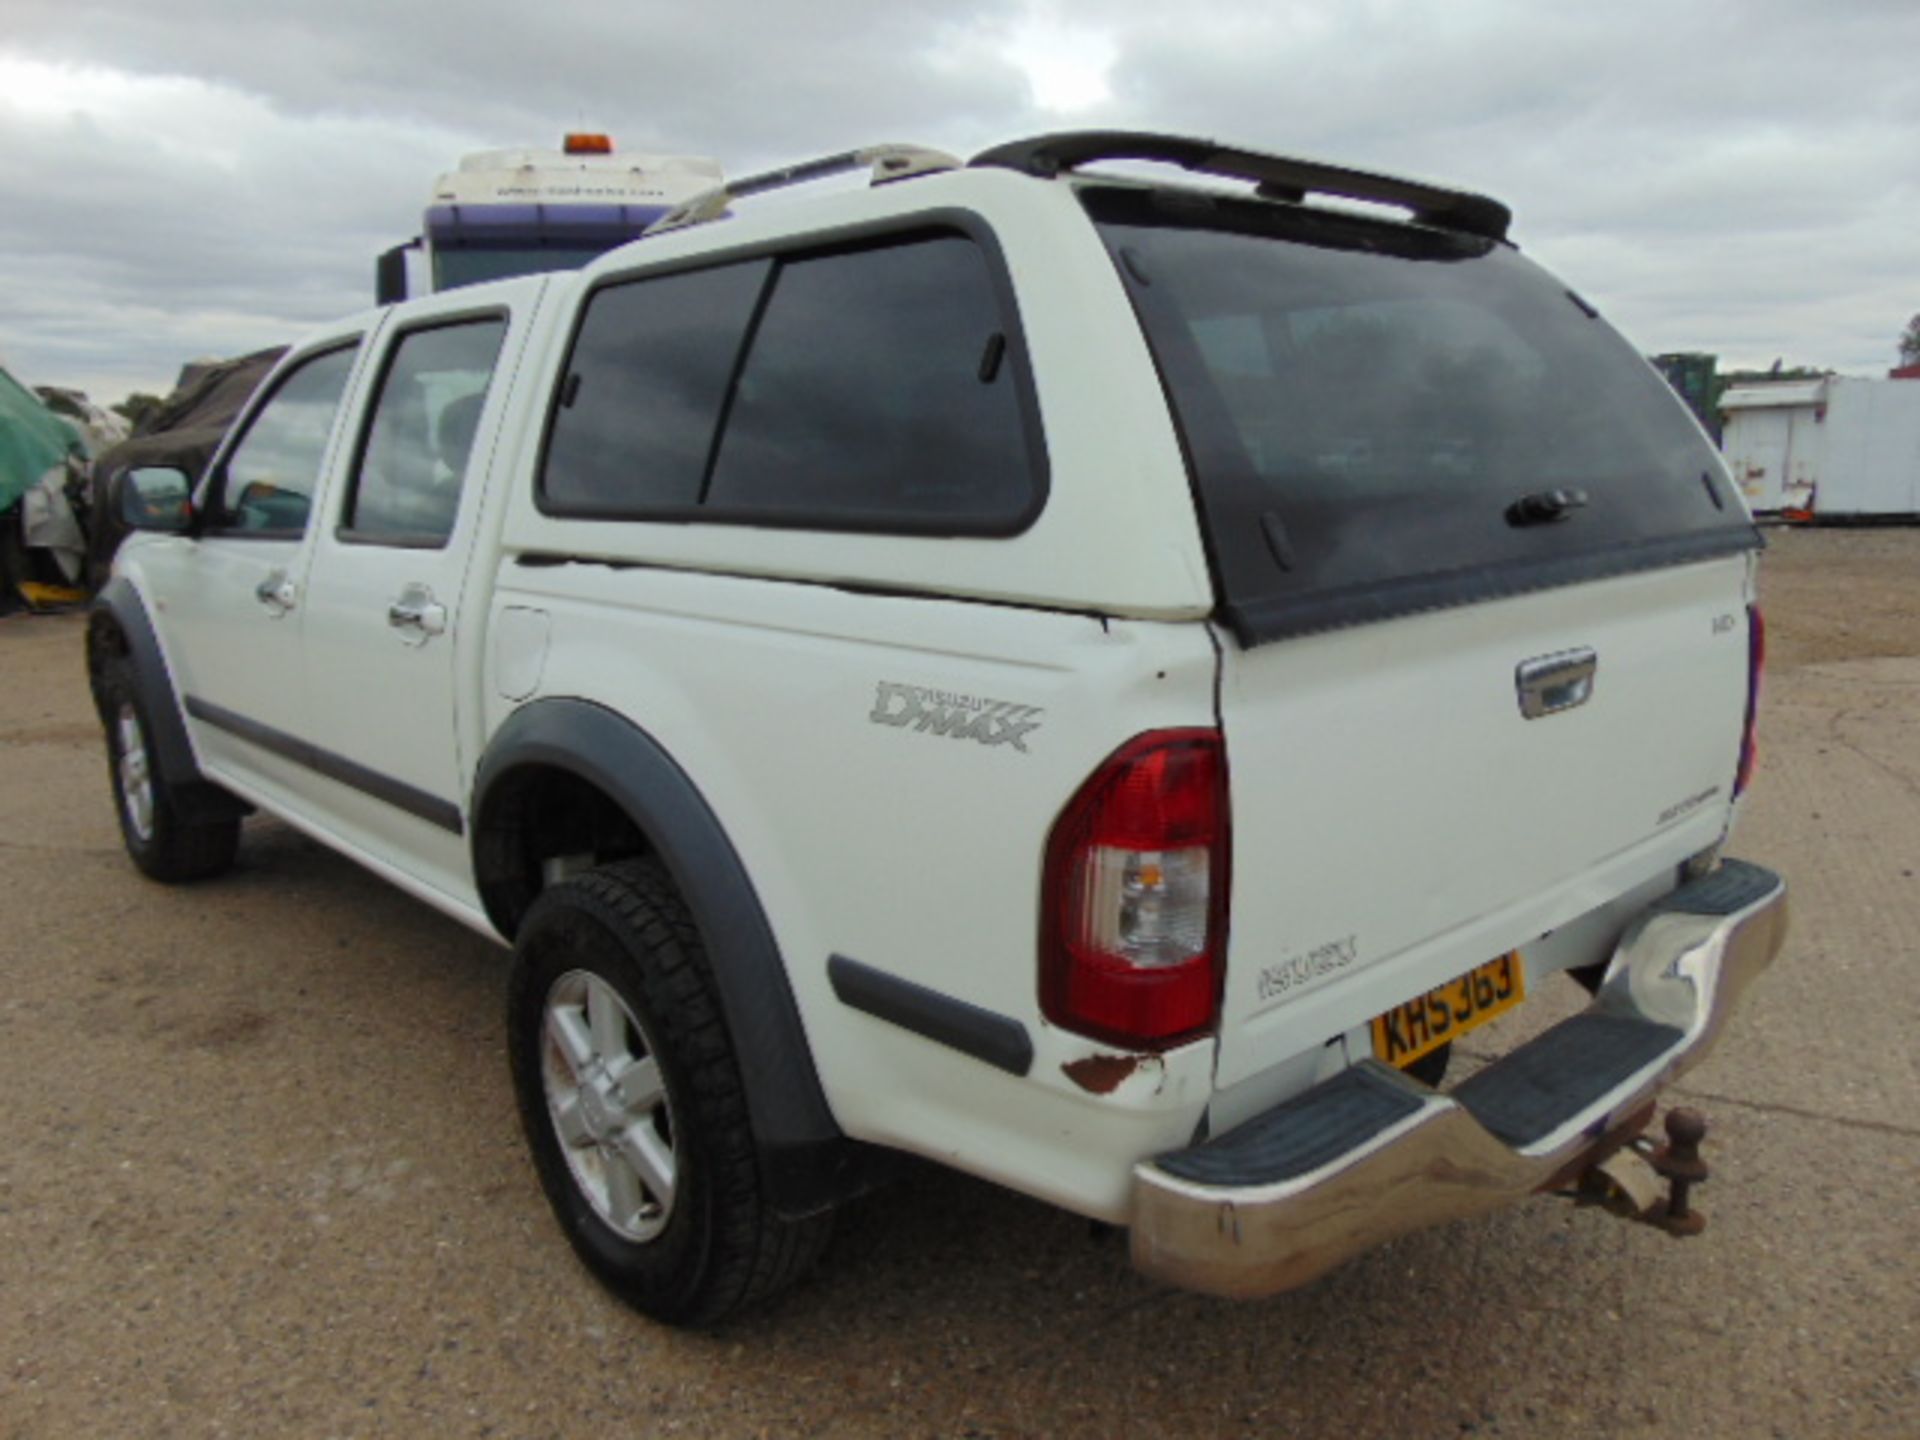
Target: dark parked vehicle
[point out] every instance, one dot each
(182, 432)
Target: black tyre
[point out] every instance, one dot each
(160, 841)
(631, 1099)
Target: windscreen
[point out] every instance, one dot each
(1381, 418)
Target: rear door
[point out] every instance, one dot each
(384, 621)
(1486, 582)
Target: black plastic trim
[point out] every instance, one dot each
(1260, 621)
(997, 1040)
(1528, 1094)
(198, 799)
(397, 793)
(1279, 177)
(1300, 1135)
(1726, 891)
(809, 1163)
(804, 246)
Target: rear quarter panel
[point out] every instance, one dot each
(892, 844)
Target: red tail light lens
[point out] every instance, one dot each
(1133, 915)
(1756, 663)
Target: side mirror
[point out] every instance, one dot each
(156, 497)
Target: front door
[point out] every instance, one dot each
(234, 595)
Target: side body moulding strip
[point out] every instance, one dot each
(809, 1163)
(996, 1039)
(397, 793)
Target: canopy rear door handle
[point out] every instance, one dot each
(1549, 684)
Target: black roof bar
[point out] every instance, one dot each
(1276, 176)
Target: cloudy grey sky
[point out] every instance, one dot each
(207, 176)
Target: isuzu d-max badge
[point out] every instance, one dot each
(960, 717)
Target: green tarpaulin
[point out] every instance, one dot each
(32, 440)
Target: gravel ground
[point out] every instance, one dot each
(259, 1170)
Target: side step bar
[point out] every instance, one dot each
(1372, 1153)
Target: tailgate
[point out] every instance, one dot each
(1433, 483)
(1398, 819)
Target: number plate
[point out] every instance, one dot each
(1426, 1022)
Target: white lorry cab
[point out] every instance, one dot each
(1098, 682)
(501, 213)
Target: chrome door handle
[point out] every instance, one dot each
(276, 592)
(1549, 684)
(418, 611)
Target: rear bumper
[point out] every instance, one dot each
(1372, 1154)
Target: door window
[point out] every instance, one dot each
(413, 459)
(265, 487)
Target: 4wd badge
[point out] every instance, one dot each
(959, 717)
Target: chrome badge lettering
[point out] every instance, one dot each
(1296, 972)
(958, 717)
(1685, 807)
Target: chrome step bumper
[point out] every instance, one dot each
(1372, 1154)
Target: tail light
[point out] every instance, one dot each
(1756, 663)
(1133, 914)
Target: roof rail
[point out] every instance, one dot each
(888, 163)
(1276, 177)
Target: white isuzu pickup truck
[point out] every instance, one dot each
(1097, 681)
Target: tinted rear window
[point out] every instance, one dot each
(1362, 403)
(878, 389)
(643, 388)
(879, 385)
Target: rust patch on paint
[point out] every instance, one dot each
(1102, 1074)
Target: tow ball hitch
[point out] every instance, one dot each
(1628, 1182)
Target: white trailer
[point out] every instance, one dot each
(1830, 449)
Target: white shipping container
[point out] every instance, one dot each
(1834, 448)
